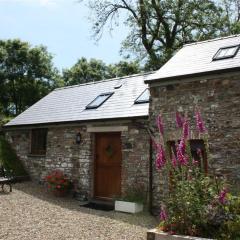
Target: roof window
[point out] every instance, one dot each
(99, 100)
(144, 97)
(226, 52)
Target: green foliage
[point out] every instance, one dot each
(9, 159)
(85, 71)
(231, 228)
(134, 193)
(159, 28)
(94, 70)
(4, 120)
(188, 204)
(123, 68)
(26, 75)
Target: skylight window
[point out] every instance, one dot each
(144, 97)
(226, 52)
(99, 100)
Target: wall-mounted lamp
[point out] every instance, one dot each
(78, 138)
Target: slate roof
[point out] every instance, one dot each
(68, 104)
(196, 59)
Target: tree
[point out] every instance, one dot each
(160, 27)
(85, 71)
(26, 75)
(94, 70)
(231, 16)
(123, 68)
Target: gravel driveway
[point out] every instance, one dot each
(31, 213)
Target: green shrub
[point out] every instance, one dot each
(231, 228)
(9, 159)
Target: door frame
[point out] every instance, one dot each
(95, 161)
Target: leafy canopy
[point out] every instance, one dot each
(159, 27)
(94, 70)
(26, 75)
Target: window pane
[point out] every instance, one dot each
(99, 100)
(226, 52)
(39, 141)
(231, 51)
(144, 97)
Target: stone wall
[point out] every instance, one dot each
(62, 153)
(135, 155)
(77, 160)
(219, 101)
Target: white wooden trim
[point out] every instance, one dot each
(107, 129)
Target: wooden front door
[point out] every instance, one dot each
(108, 158)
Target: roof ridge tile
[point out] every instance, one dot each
(211, 40)
(106, 80)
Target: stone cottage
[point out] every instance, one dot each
(97, 132)
(94, 132)
(204, 74)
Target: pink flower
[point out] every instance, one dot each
(183, 159)
(161, 159)
(222, 196)
(179, 120)
(163, 214)
(174, 160)
(160, 124)
(182, 146)
(186, 129)
(195, 162)
(181, 149)
(199, 122)
(199, 152)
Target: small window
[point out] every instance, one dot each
(144, 97)
(99, 100)
(197, 147)
(39, 141)
(226, 52)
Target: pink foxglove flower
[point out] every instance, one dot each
(161, 159)
(199, 122)
(195, 162)
(179, 120)
(181, 150)
(183, 159)
(182, 146)
(222, 196)
(163, 214)
(160, 124)
(174, 160)
(186, 129)
(199, 152)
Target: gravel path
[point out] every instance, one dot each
(31, 213)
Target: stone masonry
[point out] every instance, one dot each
(219, 101)
(77, 160)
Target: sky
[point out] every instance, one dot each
(60, 25)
